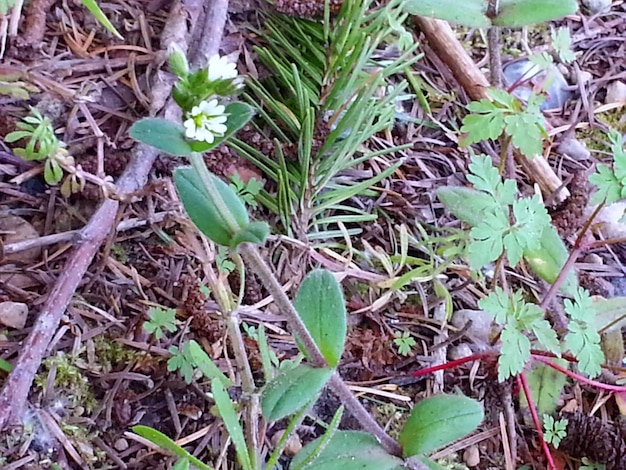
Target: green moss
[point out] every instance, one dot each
(69, 381)
(110, 353)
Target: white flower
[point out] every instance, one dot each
(221, 69)
(205, 122)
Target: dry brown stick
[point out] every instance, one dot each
(444, 42)
(15, 392)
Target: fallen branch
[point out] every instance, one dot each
(444, 42)
(15, 392)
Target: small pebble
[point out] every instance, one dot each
(615, 92)
(480, 329)
(593, 258)
(471, 456)
(583, 77)
(293, 445)
(597, 6)
(459, 351)
(13, 314)
(575, 149)
(121, 445)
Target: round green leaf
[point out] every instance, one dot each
(203, 211)
(348, 450)
(292, 390)
(322, 309)
(437, 421)
(162, 134)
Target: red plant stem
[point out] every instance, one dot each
(521, 379)
(579, 378)
(452, 364)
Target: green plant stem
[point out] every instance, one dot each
(224, 299)
(253, 258)
(197, 162)
(362, 415)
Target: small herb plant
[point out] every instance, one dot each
(42, 144)
(317, 315)
(161, 319)
(611, 182)
(554, 430)
(404, 342)
(523, 125)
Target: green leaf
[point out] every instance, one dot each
(160, 319)
(52, 172)
(292, 390)
(515, 351)
(437, 421)
(206, 365)
(619, 155)
(525, 130)
(182, 464)
(609, 187)
(484, 125)
(163, 135)
(515, 13)
(238, 115)
(254, 232)
(546, 385)
(5, 365)
(229, 415)
(468, 13)
(95, 10)
(348, 450)
(547, 259)
(487, 239)
(562, 43)
(483, 175)
(320, 305)
(6, 5)
(466, 204)
(181, 361)
(168, 444)
(203, 211)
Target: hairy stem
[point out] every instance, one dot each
(253, 258)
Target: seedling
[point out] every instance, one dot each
(554, 431)
(404, 342)
(161, 319)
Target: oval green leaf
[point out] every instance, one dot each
(321, 307)
(549, 258)
(468, 13)
(515, 13)
(437, 421)
(466, 204)
(163, 135)
(348, 450)
(203, 211)
(292, 390)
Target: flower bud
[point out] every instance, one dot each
(177, 60)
